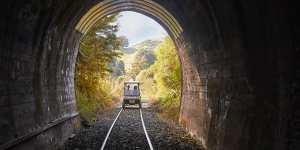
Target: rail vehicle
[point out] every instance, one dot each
(132, 94)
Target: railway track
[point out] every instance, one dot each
(114, 123)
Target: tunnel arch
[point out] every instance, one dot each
(191, 79)
(239, 62)
(146, 7)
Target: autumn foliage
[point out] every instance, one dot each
(97, 49)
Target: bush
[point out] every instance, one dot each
(163, 79)
(98, 48)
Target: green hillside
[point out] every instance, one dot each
(134, 59)
(148, 45)
(141, 59)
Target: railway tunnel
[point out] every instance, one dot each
(239, 59)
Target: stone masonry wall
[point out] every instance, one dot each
(38, 56)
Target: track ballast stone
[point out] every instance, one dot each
(92, 138)
(128, 133)
(167, 136)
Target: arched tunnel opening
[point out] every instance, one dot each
(120, 48)
(240, 85)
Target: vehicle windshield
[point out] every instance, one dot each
(131, 90)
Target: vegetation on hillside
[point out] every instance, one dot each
(143, 59)
(140, 57)
(162, 80)
(135, 59)
(147, 45)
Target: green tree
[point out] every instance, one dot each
(168, 79)
(97, 49)
(163, 79)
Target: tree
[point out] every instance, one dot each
(163, 79)
(97, 49)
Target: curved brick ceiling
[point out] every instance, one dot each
(146, 7)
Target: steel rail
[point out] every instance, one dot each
(109, 131)
(144, 127)
(113, 124)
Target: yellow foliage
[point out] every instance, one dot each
(163, 79)
(97, 49)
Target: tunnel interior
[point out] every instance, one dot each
(238, 59)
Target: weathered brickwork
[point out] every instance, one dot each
(240, 70)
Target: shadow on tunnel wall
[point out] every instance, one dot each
(239, 68)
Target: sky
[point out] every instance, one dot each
(138, 27)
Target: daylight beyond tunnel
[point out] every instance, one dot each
(119, 48)
(239, 63)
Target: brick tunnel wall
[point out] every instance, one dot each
(38, 53)
(239, 58)
(244, 53)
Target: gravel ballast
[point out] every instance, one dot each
(128, 133)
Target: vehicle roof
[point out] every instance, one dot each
(131, 82)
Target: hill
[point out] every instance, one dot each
(142, 58)
(148, 45)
